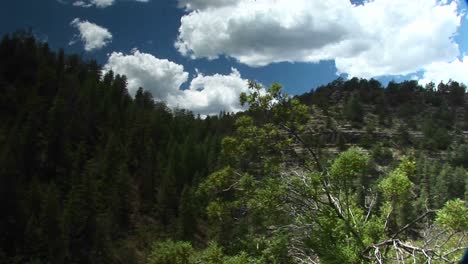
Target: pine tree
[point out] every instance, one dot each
(441, 187)
(186, 214)
(102, 248)
(353, 110)
(80, 214)
(167, 192)
(455, 182)
(53, 226)
(34, 238)
(466, 189)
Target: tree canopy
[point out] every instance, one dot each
(352, 172)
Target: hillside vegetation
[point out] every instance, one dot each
(351, 172)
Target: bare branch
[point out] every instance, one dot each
(412, 223)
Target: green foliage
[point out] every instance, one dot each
(349, 165)
(381, 154)
(436, 136)
(213, 254)
(170, 252)
(397, 185)
(460, 156)
(466, 189)
(90, 175)
(454, 216)
(335, 205)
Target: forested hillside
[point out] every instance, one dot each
(351, 172)
(84, 166)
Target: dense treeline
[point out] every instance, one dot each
(351, 172)
(439, 112)
(427, 122)
(81, 162)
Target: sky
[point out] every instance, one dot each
(199, 54)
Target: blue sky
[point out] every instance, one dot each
(197, 54)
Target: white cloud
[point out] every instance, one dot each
(202, 4)
(207, 95)
(456, 70)
(99, 3)
(160, 77)
(379, 37)
(82, 4)
(93, 36)
(410, 35)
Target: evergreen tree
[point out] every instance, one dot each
(186, 214)
(455, 182)
(441, 187)
(353, 110)
(80, 215)
(34, 238)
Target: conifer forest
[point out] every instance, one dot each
(353, 171)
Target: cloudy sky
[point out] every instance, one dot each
(198, 54)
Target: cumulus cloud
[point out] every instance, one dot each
(159, 76)
(456, 70)
(379, 37)
(207, 95)
(93, 36)
(415, 35)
